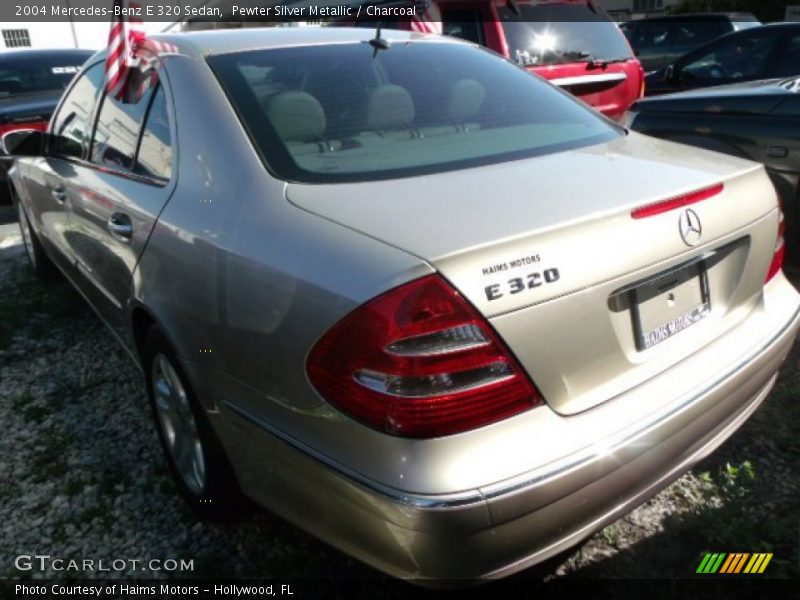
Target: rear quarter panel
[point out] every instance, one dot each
(242, 282)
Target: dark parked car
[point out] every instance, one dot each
(766, 52)
(31, 83)
(660, 40)
(759, 120)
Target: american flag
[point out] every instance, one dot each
(147, 50)
(131, 66)
(430, 20)
(125, 34)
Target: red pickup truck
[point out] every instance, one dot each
(572, 43)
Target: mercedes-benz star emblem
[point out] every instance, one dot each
(690, 227)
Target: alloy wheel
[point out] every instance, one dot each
(178, 424)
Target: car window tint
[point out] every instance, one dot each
(155, 150)
(546, 34)
(344, 113)
(789, 59)
(72, 124)
(739, 57)
(118, 127)
(699, 32)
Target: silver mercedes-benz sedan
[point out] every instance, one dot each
(406, 295)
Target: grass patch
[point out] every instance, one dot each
(35, 413)
(761, 492)
(74, 487)
(22, 401)
(49, 462)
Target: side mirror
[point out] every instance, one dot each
(670, 73)
(22, 142)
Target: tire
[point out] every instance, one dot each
(40, 263)
(195, 457)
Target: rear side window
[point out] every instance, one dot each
(73, 121)
(154, 158)
(547, 34)
(330, 113)
(117, 132)
(465, 24)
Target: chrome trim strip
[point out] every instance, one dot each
(520, 482)
(589, 79)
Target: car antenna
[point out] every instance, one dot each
(378, 43)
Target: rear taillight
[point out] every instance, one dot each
(419, 361)
(35, 125)
(780, 248)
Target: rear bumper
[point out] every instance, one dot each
(503, 528)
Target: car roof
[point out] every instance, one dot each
(16, 54)
(779, 25)
(226, 41)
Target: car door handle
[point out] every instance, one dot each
(60, 194)
(120, 226)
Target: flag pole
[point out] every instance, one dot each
(72, 24)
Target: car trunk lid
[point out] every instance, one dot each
(548, 250)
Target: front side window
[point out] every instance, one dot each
(345, 113)
(548, 34)
(154, 158)
(71, 127)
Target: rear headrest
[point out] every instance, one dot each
(297, 116)
(389, 106)
(464, 99)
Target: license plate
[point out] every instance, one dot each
(669, 303)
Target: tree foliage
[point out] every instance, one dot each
(765, 10)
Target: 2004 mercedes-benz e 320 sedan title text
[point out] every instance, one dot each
(410, 297)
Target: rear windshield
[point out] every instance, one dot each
(345, 112)
(561, 33)
(21, 75)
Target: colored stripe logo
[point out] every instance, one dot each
(733, 563)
